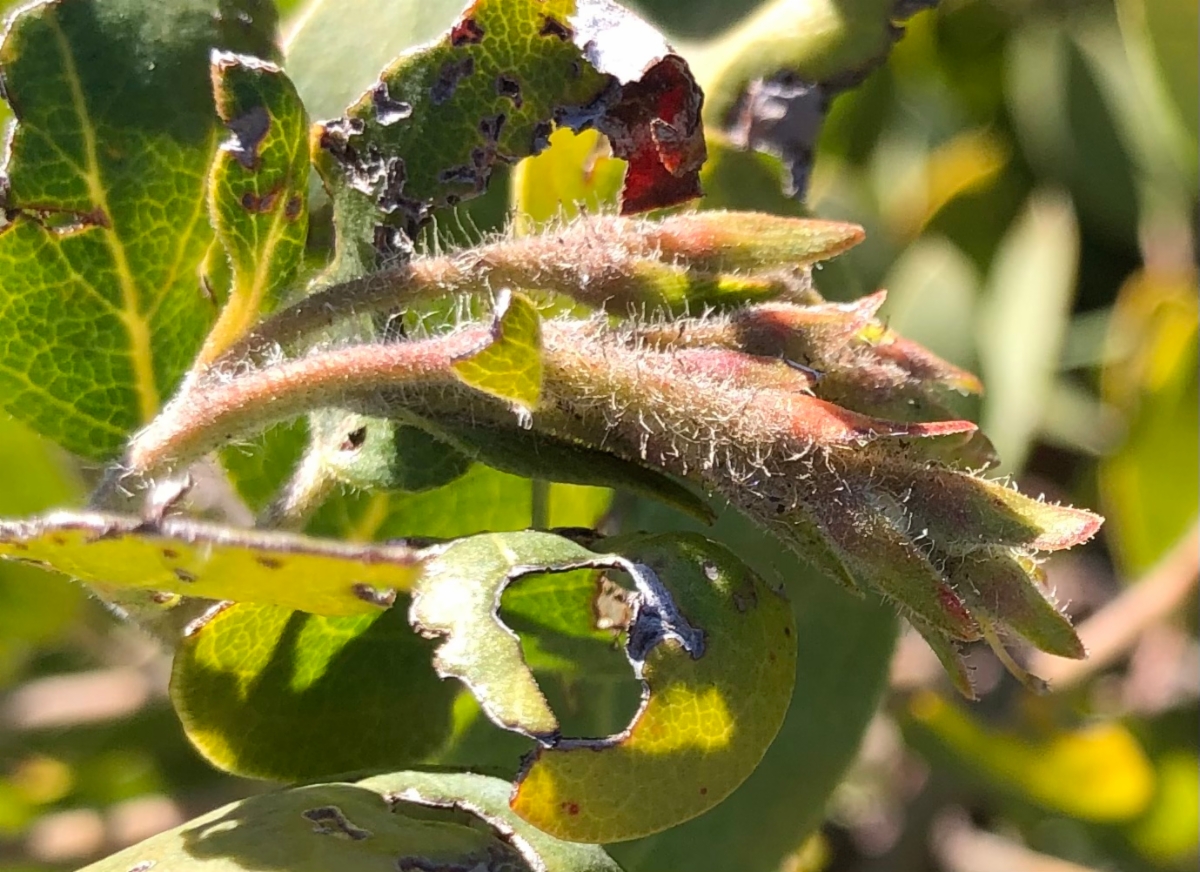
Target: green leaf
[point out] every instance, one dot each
(35, 606)
(400, 821)
(738, 179)
(817, 41)
(1164, 29)
(100, 308)
(338, 658)
(380, 454)
(1149, 483)
(541, 456)
(257, 469)
(715, 648)
(270, 693)
(510, 365)
(195, 558)
(1058, 98)
(1024, 320)
(491, 91)
(844, 650)
(558, 616)
(258, 190)
(482, 499)
(1168, 832)
(336, 48)
(456, 602)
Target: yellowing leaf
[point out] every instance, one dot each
(1098, 773)
(510, 366)
(576, 172)
(195, 558)
(717, 655)
(1149, 483)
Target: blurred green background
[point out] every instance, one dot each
(1027, 174)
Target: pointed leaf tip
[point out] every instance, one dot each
(716, 241)
(1006, 589)
(510, 365)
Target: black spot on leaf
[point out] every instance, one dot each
(491, 127)
(451, 74)
(466, 32)
(551, 26)
(249, 130)
(508, 86)
(387, 110)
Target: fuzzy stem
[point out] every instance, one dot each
(309, 486)
(210, 415)
(621, 265)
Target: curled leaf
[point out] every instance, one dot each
(458, 601)
(714, 647)
(623, 265)
(509, 365)
(714, 697)
(257, 189)
(876, 488)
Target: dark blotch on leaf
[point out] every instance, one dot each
(507, 86)
(354, 440)
(447, 81)
(492, 858)
(251, 202)
(387, 110)
(291, 211)
(541, 137)
(184, 576)
(329, 820)
(656, 618)
(248, 131)
(466, 32)
(551, 26)
(385, 598)
(392, 245)
(491, 127)
(267, 562)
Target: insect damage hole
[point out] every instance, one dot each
(571, 628)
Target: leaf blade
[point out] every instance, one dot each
(196, 558)
(101, 311)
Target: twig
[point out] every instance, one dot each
(961, 847)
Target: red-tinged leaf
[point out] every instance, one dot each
(964, 512)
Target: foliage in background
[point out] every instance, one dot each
(1054, 218)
